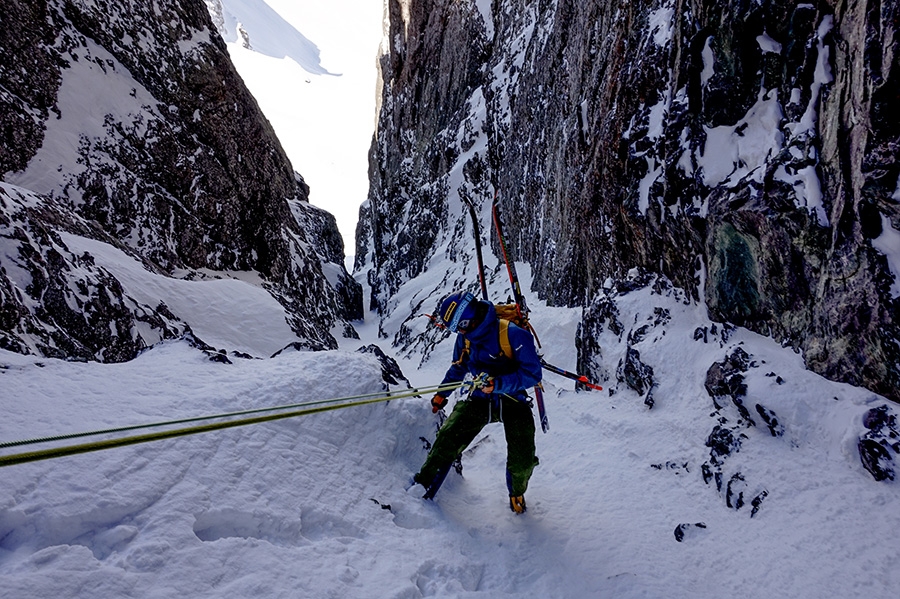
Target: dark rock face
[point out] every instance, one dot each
(71, 308)
(725, 381)
(748, 146)
(390, 370)
(30, 77)
(881, 443)
(636, 375)
(131, 116)
(436, 61)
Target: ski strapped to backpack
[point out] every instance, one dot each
(516, 312)
(476, 230)
(520, 306)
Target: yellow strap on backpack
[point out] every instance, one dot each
(505, 346)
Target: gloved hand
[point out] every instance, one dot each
(487, 383)
(437, 402)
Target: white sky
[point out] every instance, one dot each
(324, 122)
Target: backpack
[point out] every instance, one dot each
(506, 313)
(509, 313)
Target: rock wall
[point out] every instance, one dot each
(130, 116)
(747, 151)
(59, 303)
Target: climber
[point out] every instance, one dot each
(502, 358)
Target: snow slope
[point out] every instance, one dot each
(321, 103)
(317, 506)
(268, 33)
(223, 312)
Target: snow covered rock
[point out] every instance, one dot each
(724, 379)
(881, 443)
(743, 150)
(688, 530)
(391, 373)
(636, 374)
(58, 302)
(132, 118)
(771, 420)
(722, 442)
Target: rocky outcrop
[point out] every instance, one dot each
(746, 151)
(321, 228)
(391, 373)
(725, 380)
(71, 307)
(880, 444)
(131, 117)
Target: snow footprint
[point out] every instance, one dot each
(435, 579)
(312, 525)
(103, 531)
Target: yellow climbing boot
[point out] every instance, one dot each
(517, 503)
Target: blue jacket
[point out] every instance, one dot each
(511, 377)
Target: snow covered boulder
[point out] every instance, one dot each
(634, 373)
(876, 459)
(880, 442)
(725, 380)
(687, 530)
(391, 373)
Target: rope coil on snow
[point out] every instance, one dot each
(305, 408)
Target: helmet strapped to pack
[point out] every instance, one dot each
(458, 311)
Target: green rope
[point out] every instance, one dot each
(388, 396)
(321, 406)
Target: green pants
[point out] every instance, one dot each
(467, 420)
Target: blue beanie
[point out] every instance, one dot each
(456, 309)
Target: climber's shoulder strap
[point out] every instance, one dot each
(505, 346)
(464, 355)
